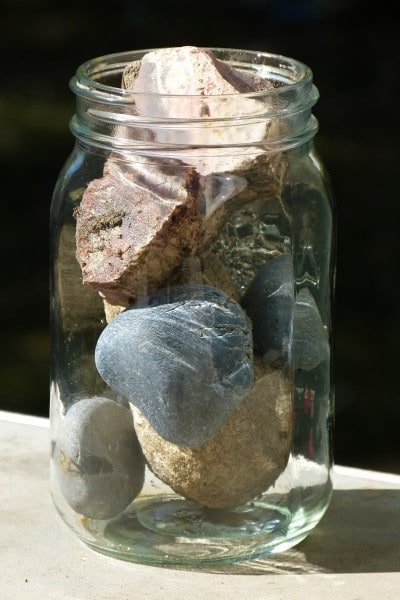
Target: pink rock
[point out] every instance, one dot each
(146, 216)
(134, 226)
(187, 71)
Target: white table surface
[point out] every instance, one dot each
(353, 554)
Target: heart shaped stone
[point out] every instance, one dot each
(183, 357)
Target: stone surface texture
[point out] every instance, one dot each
(354, 552)
(80, 306)
(188, 81)
(242, 461)
(310, 340)
(145, 216)
(209, 270)
(254, 227)
(134, 226)
(184, 357)
(97, 458)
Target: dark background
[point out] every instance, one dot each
(353, 51)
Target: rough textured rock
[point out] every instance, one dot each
(187, 71)
(80, 306)
(144, 217)
(207, 270)
(243, 460)
(216, 274)
(112, 310)
(134, 226)
(183, 357)
(221, 197)
(97, 459)
(244, 240)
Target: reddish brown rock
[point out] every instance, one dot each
(135, 225)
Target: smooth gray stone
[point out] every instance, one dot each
(269, 302)
(310, 342)
(97, 458)
(285, 328)
(183, 357)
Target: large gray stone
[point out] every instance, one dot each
(183, 357)
(97, 458)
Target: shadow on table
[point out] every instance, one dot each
(360, 533)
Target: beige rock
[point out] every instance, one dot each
(188, 71)
(241, 462)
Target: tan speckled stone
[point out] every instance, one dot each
(111, 311)
(242, 461)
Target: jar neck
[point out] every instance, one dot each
(274, 118)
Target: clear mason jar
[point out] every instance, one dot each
(191, 286)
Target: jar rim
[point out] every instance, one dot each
(287, 74)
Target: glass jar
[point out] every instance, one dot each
(192, 248)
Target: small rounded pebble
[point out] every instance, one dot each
(184, 357)
(97, 458)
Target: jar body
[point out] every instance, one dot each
(191, 393)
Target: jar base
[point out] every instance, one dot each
(171, 531)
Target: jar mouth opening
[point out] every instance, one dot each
(102, 75)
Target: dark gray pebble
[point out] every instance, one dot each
(310, 341)
(279, 320)
(269, 302)
(97, 458)
(183, 357)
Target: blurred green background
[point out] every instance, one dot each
(353, 51)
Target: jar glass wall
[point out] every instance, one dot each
(192, 248)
